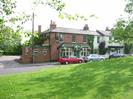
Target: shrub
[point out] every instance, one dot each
(1, 52)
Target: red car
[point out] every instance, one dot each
(70, 60)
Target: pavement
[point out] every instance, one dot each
(8, 65)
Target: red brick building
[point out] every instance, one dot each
(63, 42)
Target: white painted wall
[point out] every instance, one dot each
(107, 41)
(95, 44)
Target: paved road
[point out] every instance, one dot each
(8, 65)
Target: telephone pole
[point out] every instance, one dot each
(32, 37)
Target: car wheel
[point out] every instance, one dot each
(66, 62)
(80, 61)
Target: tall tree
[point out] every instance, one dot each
(10, 27)
(123, 30)
(102, 49)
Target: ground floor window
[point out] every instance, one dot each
(66, 52)
(84, 52)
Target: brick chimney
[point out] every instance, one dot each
(39, 28)
(107, 29)
(86, 27)
(52, 25)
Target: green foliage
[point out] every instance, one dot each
(1, 52)
(56, 4)
(90, 42)
(128, 48)
(11, 27)
(95, 51)
(59, 6)
(119, 30)
(109, 79)
(129, 7)
(37, 40)
(102, 49)
(123, 32)
(10, 41)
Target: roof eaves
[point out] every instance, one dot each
(100, 32)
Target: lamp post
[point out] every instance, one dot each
(32, 37)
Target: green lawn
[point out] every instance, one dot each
(110, 79)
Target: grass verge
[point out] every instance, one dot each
(110, 79)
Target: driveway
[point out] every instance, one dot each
(8, 65)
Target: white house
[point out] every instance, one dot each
(110, 43)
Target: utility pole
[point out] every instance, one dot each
(33, 37)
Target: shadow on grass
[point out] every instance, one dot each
(100, 80)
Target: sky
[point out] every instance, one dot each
(106, 11)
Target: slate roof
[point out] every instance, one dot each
(72, 31)
(104, 33)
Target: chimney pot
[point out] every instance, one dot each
(52, 25)
(86, 27)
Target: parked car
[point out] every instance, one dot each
(70, 60)
(117, 55)
(93, 57)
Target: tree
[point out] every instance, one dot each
(129, 7)
(10, 27)
(102, 49)
(90, 42)
(123, 30)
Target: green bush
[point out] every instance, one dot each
(1, 52)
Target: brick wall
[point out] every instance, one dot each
(53, 53)
(40, 55)
(68, 38)
(54, 46)
(79, 38)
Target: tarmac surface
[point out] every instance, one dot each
(8, 65)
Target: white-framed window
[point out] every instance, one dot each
(35, 52)
(84, 52)
(66, 52)
(44, 52)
